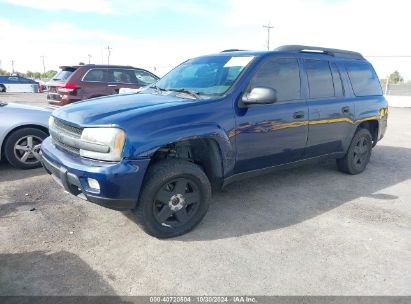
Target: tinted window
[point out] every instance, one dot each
(363, 79)
(320, 79)
(144, 78)
(123, 76)
(338, 88)
(95, 75)
(280, 74)
(64, 74)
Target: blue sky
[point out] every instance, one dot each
(160, 34)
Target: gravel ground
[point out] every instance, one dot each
(306, 231)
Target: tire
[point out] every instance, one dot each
(2, 88)
(20, 151)
(174, 199)
(358, 154)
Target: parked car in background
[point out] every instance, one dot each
(78, 82)
(18, 84)
(22, 130)
(214, 120)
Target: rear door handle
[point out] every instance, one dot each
(345, 109)
(111, 85)
(299, 114)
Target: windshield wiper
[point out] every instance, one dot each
(191, 93)
(158, 89)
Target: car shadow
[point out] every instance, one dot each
(42, 273)
(288, 197)
(9, 173)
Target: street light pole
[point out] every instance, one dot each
(89, 57)
(44, 66)
(268, 27)
(108, 54)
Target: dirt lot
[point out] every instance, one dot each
(306, 231)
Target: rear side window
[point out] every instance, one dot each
(280, 74)
(320, 79)
(364, 80)
(63, 74)
(95, 75)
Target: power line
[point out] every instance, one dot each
(268, 27)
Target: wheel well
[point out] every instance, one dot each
(203, 152)
(22, 127)
(372, 126)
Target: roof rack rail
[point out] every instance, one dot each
(231, 50)
(316, 49)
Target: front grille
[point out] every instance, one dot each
(64, 127)
(61, 129)
(66, 147)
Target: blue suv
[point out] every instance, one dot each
(211, 121)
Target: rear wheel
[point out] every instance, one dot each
(358, 154)
(175, 198)
(2, 88)
(22, 146)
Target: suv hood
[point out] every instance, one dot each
(112, 110)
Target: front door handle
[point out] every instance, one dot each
(345, 109)
(111, 85)
(299, 114)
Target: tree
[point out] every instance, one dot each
(395, 77)
(49, 74)
(3, 72)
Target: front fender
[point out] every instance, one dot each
(152, 142)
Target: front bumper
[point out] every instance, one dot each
(120, 182)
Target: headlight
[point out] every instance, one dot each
(51, 121)
(114, 138)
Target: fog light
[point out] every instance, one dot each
(93, 184)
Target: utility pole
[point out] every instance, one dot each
(12, 66)
(108, 54)
(44, 66)
(89, 57)
(268, 27)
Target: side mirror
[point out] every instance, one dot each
(260, 95)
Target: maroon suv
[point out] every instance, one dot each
(77, 82)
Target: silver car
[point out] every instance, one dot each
(22, 130)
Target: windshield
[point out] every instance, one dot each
(211, 75)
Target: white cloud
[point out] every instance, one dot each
(370, 27)
(94, 6)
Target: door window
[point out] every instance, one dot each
(320, 79)
(95, 75)
(280, 74)
(144, 78)
(123, 76)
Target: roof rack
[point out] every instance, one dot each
(231, 50)
(316, 49)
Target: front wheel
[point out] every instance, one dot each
(358, 154)
(22, 146)
(174, 199)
